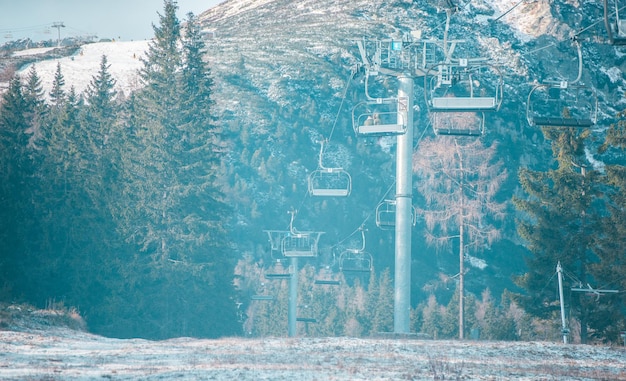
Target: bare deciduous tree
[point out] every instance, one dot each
(459, 179)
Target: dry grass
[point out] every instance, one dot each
(26, 317)
(44, 344)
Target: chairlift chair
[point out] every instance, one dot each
(275, 238)
(327, 282)
(458, 123)
(300, 244)
(463, 87)
(262, 297)
(562, 104)
(378, 118)
(326, 276)
(261, 293)
(356, 260)
(331, 182)
(386, 215)
(616, 28)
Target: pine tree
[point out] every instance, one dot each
(608, 318)
(14, 172)
(559, 224)
(170, 163)
(22, 116)
(57, 94)
(35, 108)
(380, 302)
(432, 318)
(12, 118)
(158, 122)
(100, 113)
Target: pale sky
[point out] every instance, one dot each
(120, 19)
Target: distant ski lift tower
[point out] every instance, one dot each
(58, 25)
(402, 59)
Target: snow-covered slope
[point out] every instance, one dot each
(78, 70)
(62, 354)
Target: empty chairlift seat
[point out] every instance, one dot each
(463, 87)
(356, 260)
(447, 104)
(330, 182)
(351, 261)
(458, 123)
(386, 215)
(562, 105)
(301, 244)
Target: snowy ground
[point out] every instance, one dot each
(78, 70)
(64, 354)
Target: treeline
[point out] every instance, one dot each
(111, 204)
(335, 304)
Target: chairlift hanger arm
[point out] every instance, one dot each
(377, 99)
(619, 40)
(319, 163)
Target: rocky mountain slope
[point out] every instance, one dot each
(282, 68)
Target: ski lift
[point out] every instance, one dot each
(386, 215)
(329, 181)
(326, 275)
(356, 260)
(278, 276)
(458, 123)
(379, 117)
(275, 238)
(279, 272)
(299, 244)
(262, 297)
(616, 29)
(261, 294)
(326, 278)
(353, 261)
(393, 56)
(563, 103)
(466, 86)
